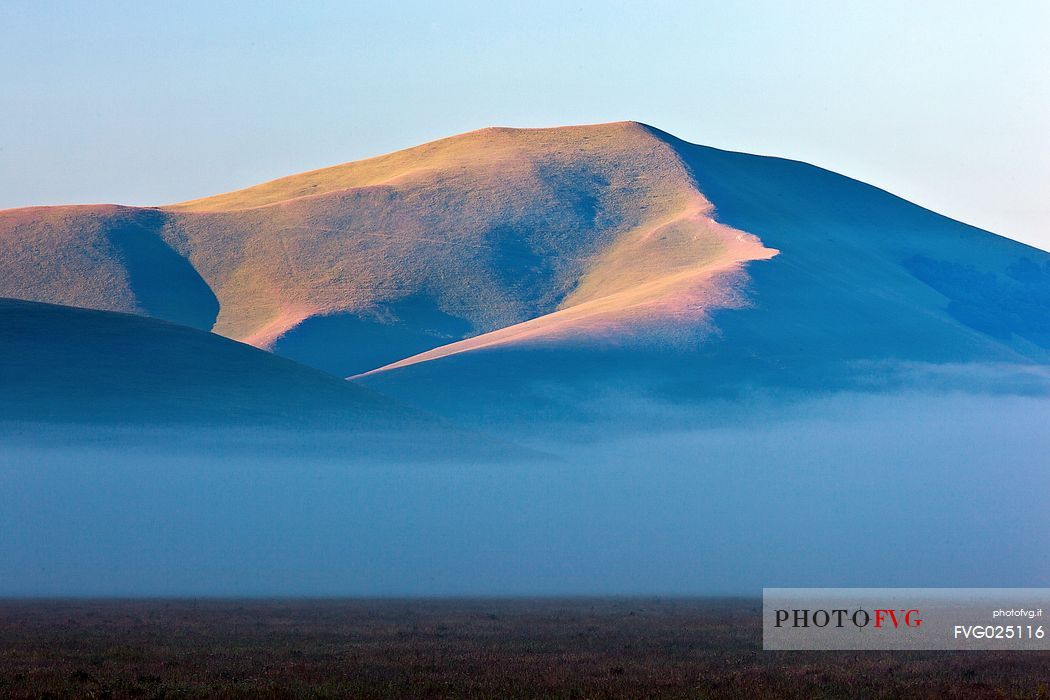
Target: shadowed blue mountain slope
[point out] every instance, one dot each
(65, 364)
(348, 343)
(866, 274)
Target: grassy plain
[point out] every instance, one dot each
(481, 648)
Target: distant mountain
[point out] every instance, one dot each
(542, 271)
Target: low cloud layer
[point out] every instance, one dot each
(855, 490)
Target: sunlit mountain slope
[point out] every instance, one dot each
(353, 267)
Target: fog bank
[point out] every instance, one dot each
(854, 490)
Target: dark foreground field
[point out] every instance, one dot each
(459, 648)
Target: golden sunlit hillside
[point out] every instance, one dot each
(415, 249)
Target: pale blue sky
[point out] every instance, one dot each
(946, 103)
